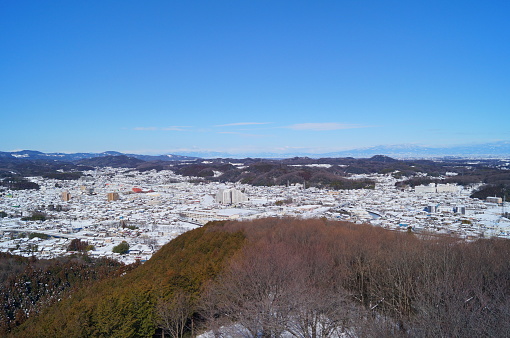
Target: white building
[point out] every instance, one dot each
(497, 200)
(439, 188)
(230, 196)
(431, 188)
(447, 188)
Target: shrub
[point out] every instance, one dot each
(39, 235)
(122, 248)
(77, 245)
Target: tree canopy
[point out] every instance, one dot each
(304, 277)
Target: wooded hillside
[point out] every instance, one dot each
(309, 278)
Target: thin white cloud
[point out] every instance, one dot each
(174, 128)
(177, 128)
(323, 126)
(241, 124)
(145, 128)
(241, 134)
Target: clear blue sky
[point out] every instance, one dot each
(162, 76)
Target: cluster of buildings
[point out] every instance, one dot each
(148, 209)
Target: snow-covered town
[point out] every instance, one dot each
(148, 209)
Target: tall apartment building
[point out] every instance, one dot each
(230, 196)
(65, 196)
(113, 196)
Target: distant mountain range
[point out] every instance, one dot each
(495, 149)
(486, 150)
(37, 155)
(406, 151)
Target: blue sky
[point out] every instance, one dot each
(252, 76)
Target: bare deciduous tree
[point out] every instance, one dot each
(173, 314)
(255, 292)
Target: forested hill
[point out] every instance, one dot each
(299, 277)
(118, 161)
(126, 306)
(29, 285)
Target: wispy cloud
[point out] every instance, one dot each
(323, 126)
(171, 128)
(242, 134)
(177, 128)
(145, 128)
(241, 124)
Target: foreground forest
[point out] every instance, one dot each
(29, 285)
(305, 278)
